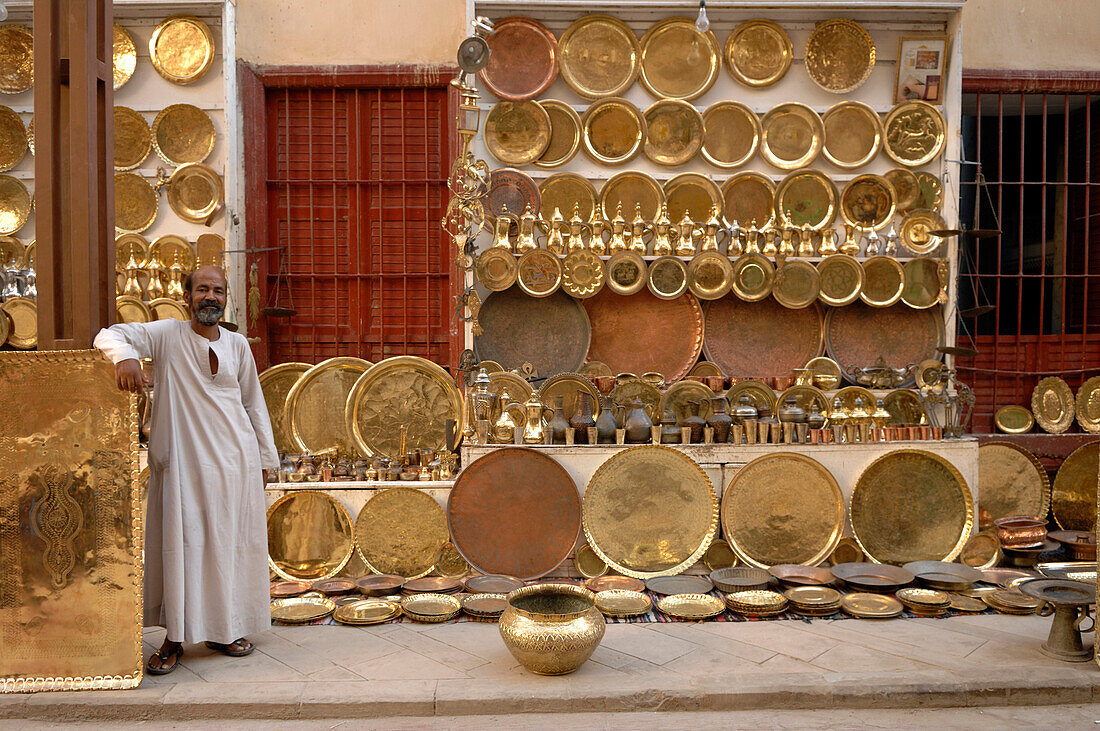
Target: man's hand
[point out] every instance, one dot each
(130, 377)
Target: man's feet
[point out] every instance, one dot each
(237, 648)
(165, 660)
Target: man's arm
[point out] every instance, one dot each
(125, 344)
(252, 396)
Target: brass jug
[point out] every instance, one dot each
(639, 227)
(618, 226)
(133, 286)
(752, 239)
(806, 241)
(597, 226)
(786, 244)
(851, 243)
(710, 231)
(577, 227)
(484, 400)
(155, 287)
(526, 240)
(662, 244)
(891, 248)
(685, 237)
(512, 415)
(872, 244)
(175, 278)
(736, 244)
(828, 242)
(637, 423)
(769, 248)
(501, 228)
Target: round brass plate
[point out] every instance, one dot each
(195, 192)
(583, 274)
(682, 393)
(12, 251)
(923, 286)
(868, 201)
(1088, 405)
(906, 188)
(169, 247)
(182, 49)
(13, 139)
(806, 196)
(731, 134)
(183, 133)
(587, 563)
(871, 606)
(840, 55)
(565, 136)
(883, 281)
(719, 556)
(825, 372)
(841, 278)
(691, 606)
(649, 511)
(847, 551)
(904, 407)
(23, 312)
(552, 333)
(853, 134)
(131, 309)
(17, 61)
(631, 189)
(516, 387)
(674, 132)
(276, 382)
(753, 277)
(539, 273)
(791, 136)
(931, 192)
(309, 536)
(981, 551)
(400, 531)
(916, 230)
(133, 140)
(1014, 420)
(849, 394)
(911, 505)
(797, 284)
(318, 395)
(496, 268)
(761, 395)
(749, 200)
(125, 56)
(915, 132)
(1053, 406)
(523, 59)
(623, 603)
(626, 273)
(566, 386)
(805, 397)
(517, 133)
(758, 53)
(135, 203)
(599, 56)
(710, 275)
(1073, 500)
(366, 612)
(15, 204)
(1011, 481)
(563, 191)
(301, 609)
(513, 190)
(678, 62)
(653, 401)
(613, 131)
(694, 194)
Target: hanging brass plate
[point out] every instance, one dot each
(1088, 405)
(868, 202)
(682, 393)
(1011, 482)
(23, 313)
(511, 191)
(667, 277)
(12, 251)
(1014, 420)
(13, 139)
(400, 531)
(626, 273)
(924, 286)
(276, 382)
(906, 188)
(133, 140)
(195, 192)
(710, 275)
(853, 134)
(915, 133)
(904, 407)
(599, 56)
(15, 204)
(694, 194)
(183, 133)
(806, 396)
(791, 136)
(731, 134)
(567, 386)
(208, 250)
(931, 192)
(169, 247)
(840, 55)
(797, 284)
(309, 536)
(17, 61)
(583, 274)
(517, 133)
(806, 196)
(758, 53)
(749, 200)
(565, 135)
(182, 49)
(678, 62)
(841, 278)
(131, 309)
(760, 395)
(561, 191)
(496, 268)
(792, 336)
(631, 189)
(1053, 406)
(523, 60)
(753, 277)
(539, 273)
(1073, 499)
(883, 281)
(674, 132)
(613, 131)
(653, 401)
(125, 56)
(916, 229)
(135, 203)
(848, 396)
(28, 255)
(315, 401)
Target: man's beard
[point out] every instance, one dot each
(209, 312)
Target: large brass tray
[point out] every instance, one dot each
(182, 49)
(760, 395)
(1088, 405)
(132, 309)
(195, 192)
(276, 382)
(694, 194)
(731, 134)
(911, 505)
(631, 189)
(13, 139)
(806, 196)
(515, 512)
(135, 203)
(563, 191)
(314, 403)
(858, 334)
(599, 56)
(1053, 405)
(840, 55)
(183, 133)
(841, 279)
(523, 59)
(915, 133)
(1073, 499)
(925, 282)
(791, 136)
(133, 140)
(806, 396)
(124, 55)
(518, 388)
(853, 134)
(674, 132)
(15, 204)
(17, 61)
(869, 202)
(517, 133)
(309, 536)
(613, 131)
(165, 308)
(650, 511)
(749, 200)
(552, 333)
(399, 531)
(758, 53)
(1011, 481)
(784, 339)
(565, 135)
(679, 62)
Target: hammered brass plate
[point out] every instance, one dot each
(12, 251)
(797, 284)
(182, 49)
(165, 308)
(916, 230)
(667, 278)
(791, 136)
(23, 312)
(915, 133)
(839, 55)
(853, 134)
(630, 190)
(170, 247)
(133, 140)
(567, 386)
(710, 275)
(871, 606)
(13, 139)
(923, 286)
(678, 62)
(782, 508)
(911, 505)
(124, 55)
(612, 131)
(906, 188)
(858, 334)
(131, 309)
(931, 192)
(599, 56)
(552, 333)
(301, 609)
(623, 603)
(403, 391)
(749, 200)
(183, 133)
(883, 281)
(677, 397)
(1014, 420)
(694, 194)
(17, 60)
(1053, 405)
(806, 396)
(731, 134)
(806, 196)
(431, 607)
(650, 511)
(485, 605)
(563, 191)
(583, 274)
(523, 59)
(691, 606)
(496, 268)
(400, 531)
(1073, 499)
(135, 203)
(314, 403)
(719, 556)
(366, 612)
(1088, 405)
(841, 278)
(517, 133)
(868, 202)
(753, 277)
(587, 563)
(904, 407)
(788, 338)
(565, 135)
(195, 192)
(276, 382)
(539, 273)
(15, 203)
(309, 536)
(825, 372)
(758, 53)
(674, 132)
(636, 388)
(1011, 481)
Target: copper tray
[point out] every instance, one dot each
(552, 333)
(379, 584)
(1011, 481)
(514, 511)
(431, 585)
(494, 584)
(513, 190)
(874, 577)
(599, 56)
(1073, 500)
(523, 60)
(858, 334)
(332, 587)
(761, 339)
(641, 333)
(608, 583)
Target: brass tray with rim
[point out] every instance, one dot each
(631, 189)
(408, 391)
(374, 585)
(720, 555)
(1073, 499)
(916, 229)
(496, 268)
(806, 599)
(195, 192)
(13, 139)
(587, 563)
(1088, 405)
(636, 388)
(793, 336)
(16, 203)
(911, 505)
(674, 132)
(691, 606)
(1053, 405)
(626, 273)
(309, 536)
(931, 191)
(694, 194)
(319, 393)
(599, 55)
(563, 191)
(431, 585)
(706, 368)
(650, 511)
(399, 531)
(567, 386)
(841, 278)
(623, 603)
(182, 49)
(781, 509)
(367, 612)
(915, 133)
(753, 277)
(846, 551)
(135, 203)
(12, 251)
(791, 136)
(5, 326)
(516, 386)
(906, 187)
(23, 312)
(680, 584)
(858, 334)
(667, 278)
(275, 383)
(797, 284)
(925, 282)
(981, 551)
(17, 64)
(853, 134)
(523, 60)
(904, 407)
(731, 134)
(613, 131)
(492, 584)
(132, 309)
(539, 273)
(758, 53)
(1014, 419)
(583, 274)
(825, 372)
(133, 139)
(883, 281)
(757, 602)
(431, 607)
(614, 581)
(840, 55)
(301, 609)
(679, 62)
(806, 196)
(513, 190)
(486, 606)
(805, 396)
(169, 246)
(517, 133)
(183, 133)
(552, 333)
(565, 135)
(682, 393)
(749, 199)
(710, 275)
(875, 577)
(848, 394)
(124, 56)
(868, 201)
(1011, 481)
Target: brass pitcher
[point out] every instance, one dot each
(484, 400)
(872, 244)
(175, 278)
(736, 245)
(851, 243)
(752, 239)
(769, 248)
(685, 237)
(577, 227)
(786, 244)
(501, 228)
(618, 227)
(555, 233)
(597, 226)
(639, 227)
(662, 244)
(512, 415)
(828, 242)
(637, 423)
(806, 241)
(891, 248)
(155, 287)
(133, 286)
(526, 240)
(711, 230)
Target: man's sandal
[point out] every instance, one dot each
(227, 649)
(174, 655)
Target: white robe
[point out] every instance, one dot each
(206, 576)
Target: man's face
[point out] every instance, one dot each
(207, 297)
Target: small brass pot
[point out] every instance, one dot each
(551, 629)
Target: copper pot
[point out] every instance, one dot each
(1020, 532)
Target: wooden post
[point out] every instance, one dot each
(73, 169)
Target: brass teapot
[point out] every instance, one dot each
(881, 374)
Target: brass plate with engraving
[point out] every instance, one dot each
(15, 204)
(853, 134)
(124, 55)
(583, 274)
(758, 53)
(674, 132)
(23, 314)
(1011, 481)
(883, 281)
(1088, 405)
(400, 531)
(135, 203)
(1014, 419)
(1073, 499)
(133, 140)
(753, 277)
(679, 62)
(915, 133)
(868, 202)
(731, 134)
(931, 192)
(496, 268)
(626, 273)
(183, 133)
(904, 407)
(539, 273)
(195, 192)
(749, 198)
(797, 284)
(791, 136)
(631, 189)
(694, 194)
(182, 49)
(680, 394)
(170, 246)
(17, 61)
(565, 135)
(517, 133)
(652, 399)
(710, 275)
(612, 131)
(319, 394)
(906, 188)
(132, 309)
(309, 536)
(806, 196)
(840, 55)
(667, 278)
(276, 382)
(13, 139)
(1053, 405)
(599, 56)
(841, 278)
(561, 191)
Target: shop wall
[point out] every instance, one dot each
(1031, 34)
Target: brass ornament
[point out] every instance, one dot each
(17, 61)
(183, 133)
(748, 197)
(797, 284)
(1011, 482)
(565, 134)
(631, 189)
(906, 188)
(275, 383)
(195, 192)
(626, 273)
(1088, 405)
(753, 277)
(599, 55)
(133, 140)
(496, 268)
(400, 531)
(517, 133)
(539, 273)
(916, 229)
(309, 536)
(1014, 419)
(791, 136)
(883, 281)
(678, 62)
(523, 59)
(694, 194)
(1053, 405)
(13, 139)
(124, 55)
(674, 132)
(15, 204)
(1073, 499)
(321, 392)
(853, 134)
(613, 131)
(731, 134)
(583, 274)
(758, 53)
(182, 49)
(931, 192)
(806, 196)
(23, 313)
(915, 133)
(841, 278)
(563, 191)
(131, 309)
(925, 286)
(710, 275)
(840, 55)
(649, 511)
(868, 202)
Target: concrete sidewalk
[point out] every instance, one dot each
(425, 670)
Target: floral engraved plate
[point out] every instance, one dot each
(70, 526)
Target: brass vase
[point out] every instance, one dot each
(551, 629)
(719, 420)
(582, 417)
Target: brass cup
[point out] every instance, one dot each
(775, 433)
(685, 435)
(593, 435)
(737, 434)
(801, 431)
(482, 429)
(570, 435)
(763, 431)
(714, 383)
(838, 433)
(708, 435)
(864, 432)
(788, 432)
(655, 434)
(620, 436)
(547, 436)
(750, 431)
(781, 383)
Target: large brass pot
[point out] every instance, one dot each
(551, 629)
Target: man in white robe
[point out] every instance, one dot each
(206, 576)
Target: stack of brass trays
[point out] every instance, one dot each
(871, 606)
(924, 602)
(757, 603)
(691, 606)
(367, 611)
(607, 583)
(623, 603)
(1073, 570)
(874, 577)
(301, 609)
(379, 585)
(494, 584)
(431, 585)
(814, 601)
(485, 606)
(1011, 601)
(740, 578)
(431, 607)
(963, 603)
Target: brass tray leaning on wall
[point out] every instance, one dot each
(674, 132)
(679, 62)
(309, 536)
(552, 333)
(567, 386)
(667, 278)
(1013, 419)
(1011, 481)
(23, 312)
(523, 60)
(167, 248)
(517, 133)
(916, 231)
(1073, 499)
(797, 284)
(681, 393)
(565, 135)
(166, 308)
(841, 279)
(276, 382)
(758, 53)
(132, 309)
(607, 39)
(17, 63)
(869, 202)
(1053, 405)
(195, 192)
(124, 55)
(182, 49)
(315, 401)
(710, 275)
(400, 531)
(840, 55)
(183, 133)
(883, 281)
(760, 395)
(925, 282)
(904, 407)
(931, 192)
(749, 199)
(631, 189)
(1088, 405)
(731, 134)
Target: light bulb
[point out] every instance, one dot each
(3, 11)
(702, 23)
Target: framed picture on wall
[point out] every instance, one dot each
(921, 64)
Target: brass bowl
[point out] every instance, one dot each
(551, 629)
(1020, 531)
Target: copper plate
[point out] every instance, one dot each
(563, 191)
(135, 204)
(517, 133)
(583, 274)
(626, 273)
(749, 200)
(1088, 405)
(872, 576)
(565, 135)
(911, 505)
(667, 278)
(376, 585)
(496, 268)
(839, 55)
(182, 49)
(281, 589)
(301, 609)
(674, 132)
(623, 603)
(131, 309)
(331, 587)
(710, 275)
(1014, 420)
(539, 273)
(567, 386)
(906, 187)
(17, 61)
(650, 511)
(523, 59)
(1052, 404)
(679, 62)
(195, 192)
(731, 134)
(791, 136)
(694, 194)
(613, 582)
(753, 277)
(758, 53)
(133, 140)
(904, 407)
(599, 56)
(853, 134)
(931, 191)
(124, 55)
(915, 133)
(431, 585)
(309, 536)
(691, 606)
(683, 584)
(782, 509)
(400, 531)
(319, 394)
(613, 131)
(631, 189)
(652, 399)
(642, 333)
(484, 605)
(868, 202)
(13, 139)
(498, 500)
(720, 555)
(923, 286)
(682, 393)
(587, 563)
(23, 312)
(552, 333)
(982, 550)
(883, 281)
(901, 335)
(797, 284)
(492, 584)
(513, 190)
(806, 196)
(1073, 500)
(793, 574)
(916, 229)
(785, 338)
(841, 278)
